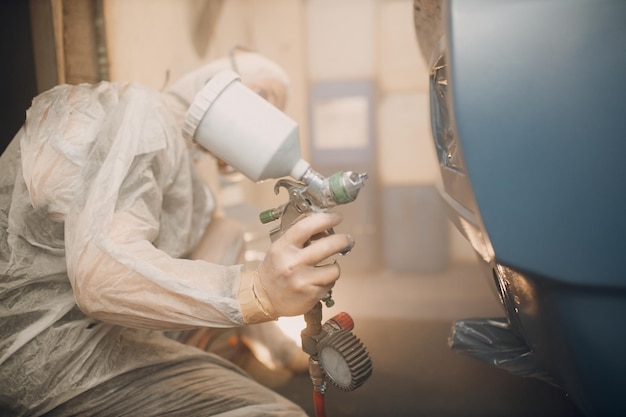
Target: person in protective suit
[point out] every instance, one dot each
(101, 210)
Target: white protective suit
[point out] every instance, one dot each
(99, 208)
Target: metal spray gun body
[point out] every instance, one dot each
(241, 128)
(313, 194)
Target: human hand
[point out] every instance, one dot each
(293, 277)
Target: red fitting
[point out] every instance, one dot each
(343, 320)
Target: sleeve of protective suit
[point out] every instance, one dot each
(111, 164)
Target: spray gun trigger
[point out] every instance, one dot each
(328, 299)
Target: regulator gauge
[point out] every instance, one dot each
(344, 359)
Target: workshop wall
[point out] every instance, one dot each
(366, 47)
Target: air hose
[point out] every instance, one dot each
(319, 403)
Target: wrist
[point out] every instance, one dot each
(253, 300)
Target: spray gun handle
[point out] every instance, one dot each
(313, 195)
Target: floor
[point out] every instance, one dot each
(404, 321)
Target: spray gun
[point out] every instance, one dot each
(251, 135)
(312, 194)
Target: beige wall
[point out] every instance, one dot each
(156, 41)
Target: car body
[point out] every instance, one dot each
(529, 119)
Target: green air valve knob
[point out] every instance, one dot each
(268, 216)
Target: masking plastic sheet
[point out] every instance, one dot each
(491, 340)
